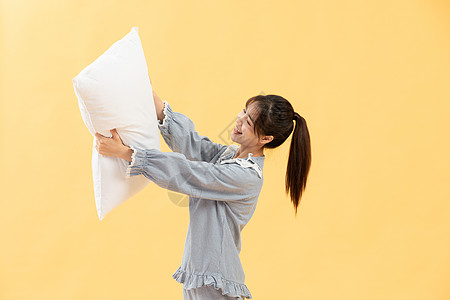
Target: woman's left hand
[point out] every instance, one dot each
(111, 146)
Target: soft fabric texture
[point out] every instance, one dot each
(115, 92)
(223, 193)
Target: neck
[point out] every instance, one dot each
(243, 152)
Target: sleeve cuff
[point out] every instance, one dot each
(136, 163)
(164, 125)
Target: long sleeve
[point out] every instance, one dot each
(199, 179)
(178, 131)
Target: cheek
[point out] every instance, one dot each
(249, 131)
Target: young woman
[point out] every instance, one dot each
(223, 184)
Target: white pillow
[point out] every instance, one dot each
(115, 92)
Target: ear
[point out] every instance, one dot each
(266, 139)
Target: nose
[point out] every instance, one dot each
(239, 120)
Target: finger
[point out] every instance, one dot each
(117, 136)
(114, 133)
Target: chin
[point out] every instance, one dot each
(233, 140)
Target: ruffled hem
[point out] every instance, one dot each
(133, 158)
(229, 288)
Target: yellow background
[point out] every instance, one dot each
(370, 77)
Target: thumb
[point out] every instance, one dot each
(114, 133)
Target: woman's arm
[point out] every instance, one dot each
(173, 171)
(159, 106)
(178, 131)
(170, 170)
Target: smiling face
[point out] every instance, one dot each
(244, 132)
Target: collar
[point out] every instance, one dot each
(227, 157)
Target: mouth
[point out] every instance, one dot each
(235, 131)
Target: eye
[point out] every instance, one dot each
(247, 119)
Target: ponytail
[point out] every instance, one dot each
(299, 161)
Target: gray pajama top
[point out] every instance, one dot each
(223, 193)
